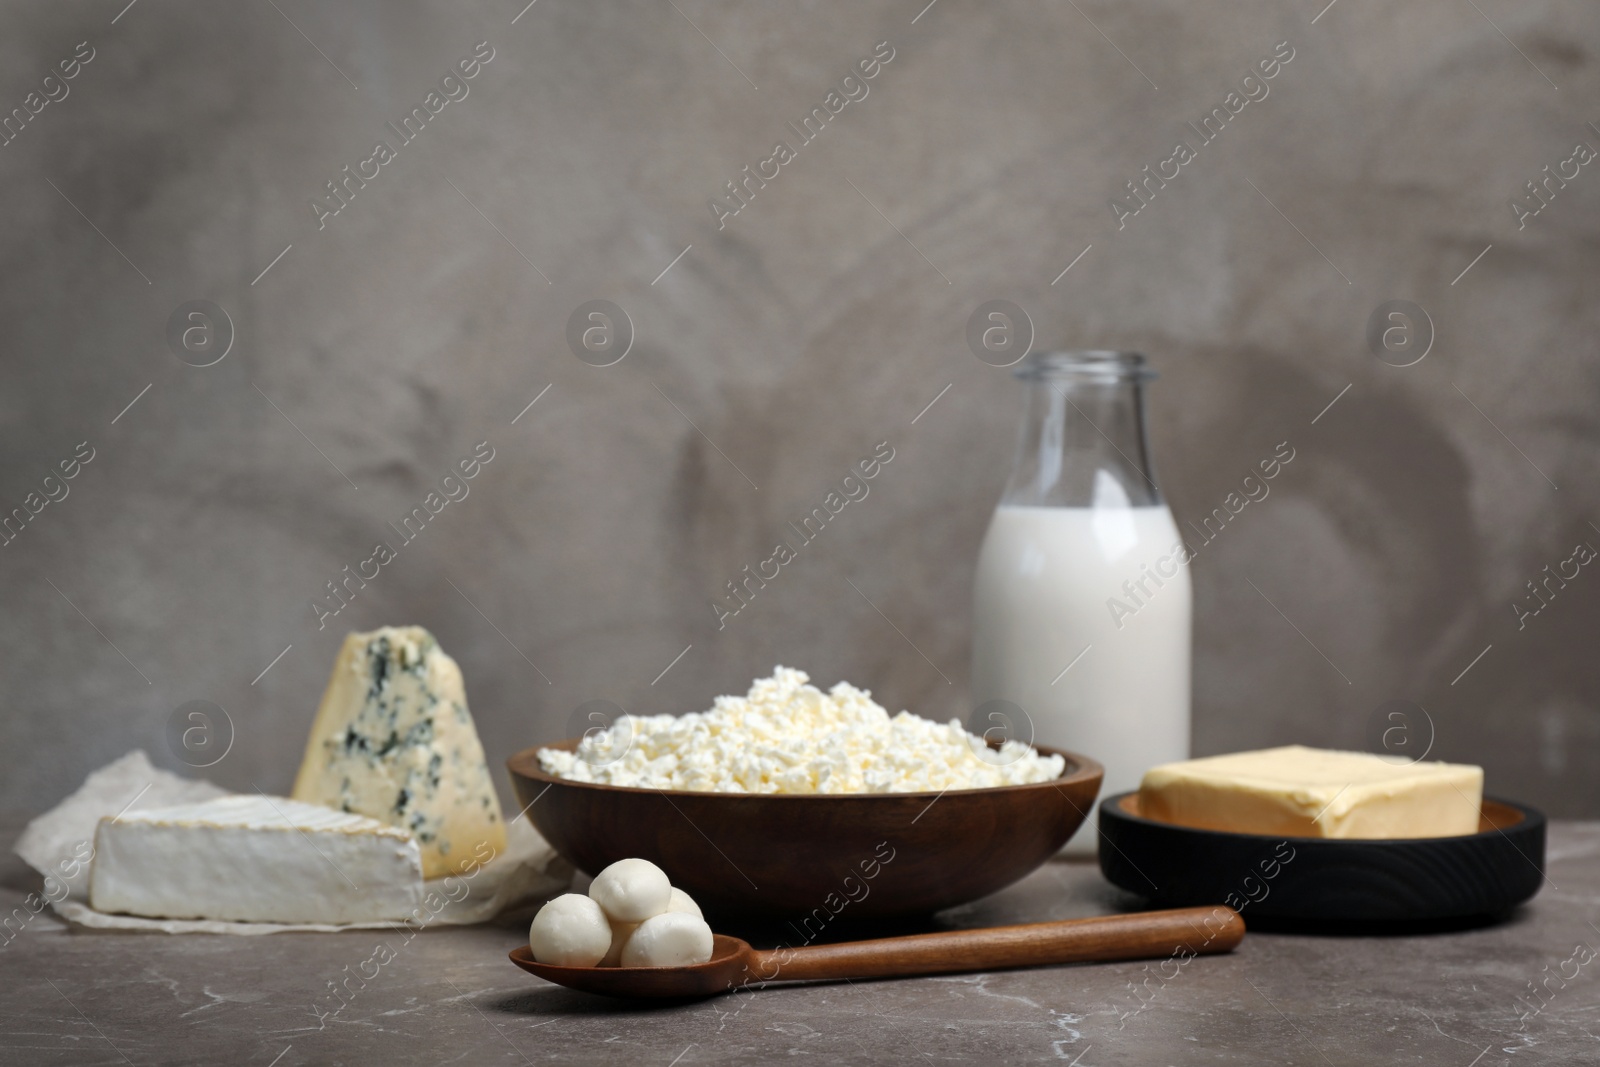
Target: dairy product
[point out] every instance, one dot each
(633, 917)
(1092, 677)
(632, 890)
(1296, 791)
(620, 932)
(683, 902)
(671, 939)
(786, 736)
(254, 859)
(570, 931)
(393, 740)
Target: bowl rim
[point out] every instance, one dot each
(1079, 768)
(1528, 818)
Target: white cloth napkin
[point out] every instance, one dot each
(58, 843)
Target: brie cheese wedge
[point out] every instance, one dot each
(254, 859)
(393, 740)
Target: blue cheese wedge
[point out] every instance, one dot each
(254, 859)
(393, 741)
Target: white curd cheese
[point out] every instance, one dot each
(683, 902)
(787, 736)
(631, 890)
(570, 931)
(620, 932)
(671, 939)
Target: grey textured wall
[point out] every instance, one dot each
(821, 320)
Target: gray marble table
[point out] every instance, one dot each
(450, 996)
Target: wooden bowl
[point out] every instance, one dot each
(1328, 881)
(808, 858)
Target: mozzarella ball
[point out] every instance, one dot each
(671, 939)
(570, 931)
(631, 890)
(683, 902)
(620, 932)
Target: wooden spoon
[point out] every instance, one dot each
(1180, 932)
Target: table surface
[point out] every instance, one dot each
(450, 996)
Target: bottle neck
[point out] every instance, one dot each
(1083, 444)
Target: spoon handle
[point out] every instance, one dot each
(1180, 932)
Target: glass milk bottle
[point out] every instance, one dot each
(1082, 601)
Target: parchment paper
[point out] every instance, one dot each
(59, 845)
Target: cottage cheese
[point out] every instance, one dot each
(787, 736)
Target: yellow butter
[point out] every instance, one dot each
(1295, 791)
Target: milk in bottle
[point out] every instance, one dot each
(1082, 599)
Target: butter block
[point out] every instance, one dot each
(254, 859)
(393, 741)
(1295, 791)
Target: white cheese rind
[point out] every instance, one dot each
(254, 859)
(787, 736)
(393, 740)
(1297, 791)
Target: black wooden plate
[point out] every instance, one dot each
(1328, 881)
